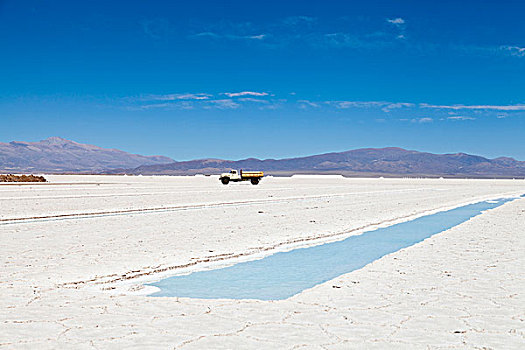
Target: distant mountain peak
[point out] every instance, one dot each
(55, 140)
(58, 155)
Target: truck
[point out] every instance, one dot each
(253, 176)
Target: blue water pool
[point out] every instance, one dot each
(282, 275)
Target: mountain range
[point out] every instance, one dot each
(57, 155)
(390, 161)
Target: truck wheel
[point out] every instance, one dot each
(225, 180)
(255, 181)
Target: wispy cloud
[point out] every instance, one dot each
(230, 36)
(384, 105)
(344, 40)
(206, 34)
(518, 107)
(155, 28)
(423, 120)
(251, 99)
(181, 105)
(304, 30)
(371, 41)
(399, 24)
(355, 104)
(396, 105)
(262, 100)
(477, 50)
(186, 105)
(303, 104)
(307, 31)
(514, 50)
(245, 93)
(222, 104)
(150, 106)
(174, 97)
(460, 117)
(396, 21)
(180, 101)
(257, 37)
(295, 21)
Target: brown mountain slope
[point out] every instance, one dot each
(367, 161)
(57, 155)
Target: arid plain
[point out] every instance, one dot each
(76, 252)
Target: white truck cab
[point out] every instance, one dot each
(233, 175)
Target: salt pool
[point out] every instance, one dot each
(282, 275)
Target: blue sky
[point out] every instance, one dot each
(235, 79)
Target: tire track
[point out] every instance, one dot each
(6, 221)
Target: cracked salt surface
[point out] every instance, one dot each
(285, 274)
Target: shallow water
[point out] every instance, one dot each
(282, 275)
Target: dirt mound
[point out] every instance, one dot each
(21, 178)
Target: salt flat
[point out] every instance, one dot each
(76, 251)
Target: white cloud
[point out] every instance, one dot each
(355, 104)
(270, 106)
(174, 97)
(163, 106)
(196, 100)
(384, 105)
(422, 120)
(348, 40)
(230, 36)
(396, 105)
(208, 34)
(303, 104)
(519, 107)
(460, 117)
(245, 93)
(257, 37)
(298, 20)
(265, 100)
(300, 29)
(152, 106)
(514, 50)
(396, 21)
(251, 99)
(223, 104)
(286, 32)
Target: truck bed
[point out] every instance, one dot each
(250, 174)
